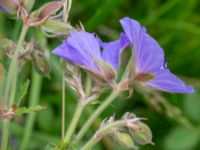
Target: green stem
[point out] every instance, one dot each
(73, 124)
(94, 140)
(10, 86)
(94, 116)
(63, 106)
(34, 98)
(5, 134)
(88, 146)
(13, 70)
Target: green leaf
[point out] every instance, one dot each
(25, 110)
(22, 92)
(191, 106)
(181, 139)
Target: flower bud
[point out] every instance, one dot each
(128, 115)
(37, 18)
(40, 63)
(124, 140)
(28, 4)
(56, 28)
(142, 134)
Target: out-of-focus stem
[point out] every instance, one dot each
(33, 101)
(13, 70)
(5, 134)
(96, 114)
(10, 87)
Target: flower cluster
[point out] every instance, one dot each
(84, 49)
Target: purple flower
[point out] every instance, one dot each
(84, 49)
(149, 60)
(3, 9)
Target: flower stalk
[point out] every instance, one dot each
(73, 125)
(102, 131)
(63, 106)
(94, 116)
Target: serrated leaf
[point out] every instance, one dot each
(22, 92)
(25, 110)
(181, 139)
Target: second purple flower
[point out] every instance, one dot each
(84, 49)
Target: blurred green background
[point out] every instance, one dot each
(175, 24)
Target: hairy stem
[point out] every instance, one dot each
(73, 124)
(33, 101)
(96, 114)
(102, 131)
(10, 87)
(63, 106)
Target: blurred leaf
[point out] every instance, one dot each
(6, 43)
(191, 106)
(45, 118)
(51, 146)
(181, 139)
(25, 110)
(23, 89)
